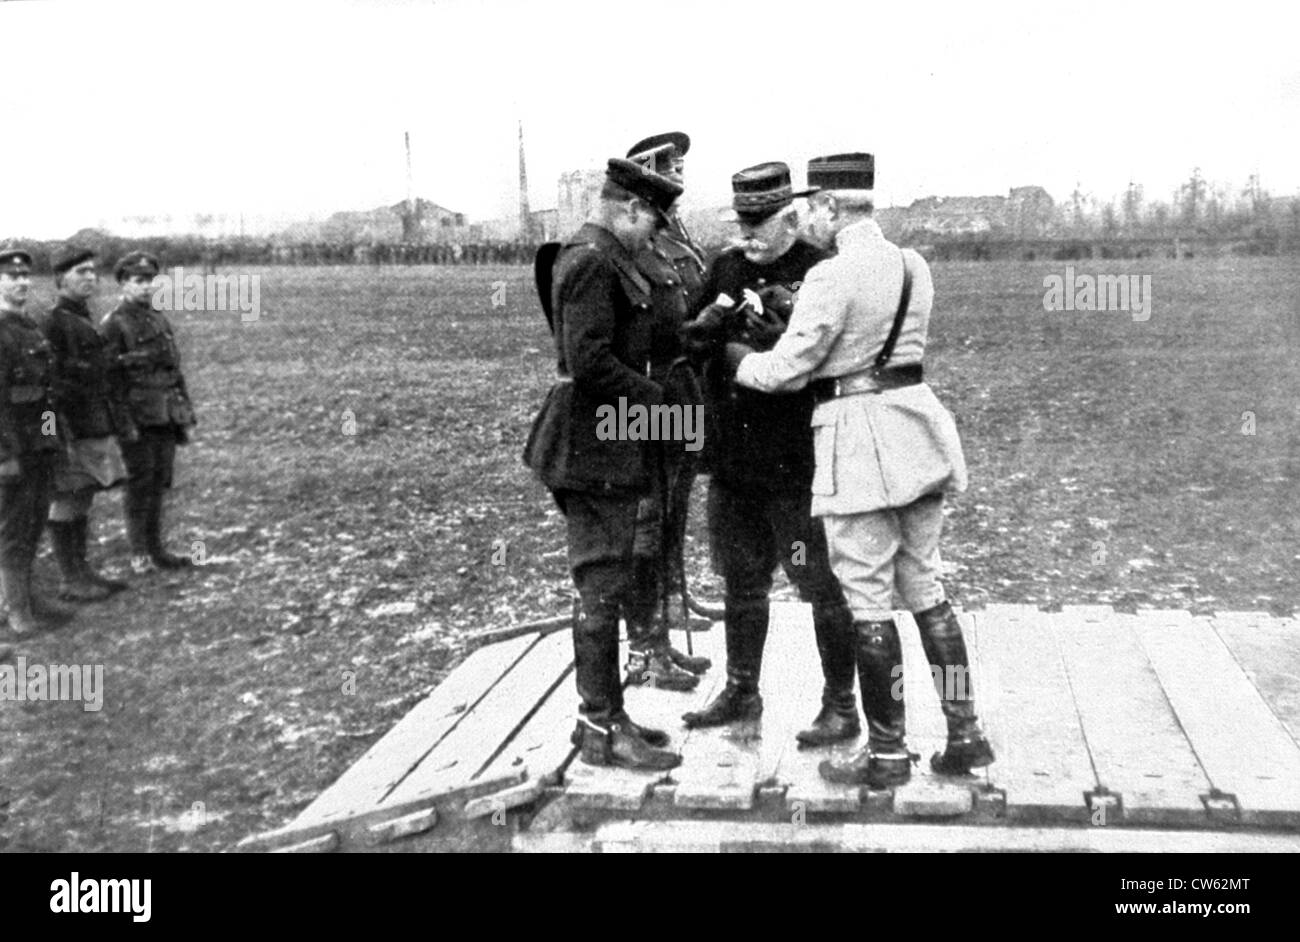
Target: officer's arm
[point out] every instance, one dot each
(590, 292)
(815, 323)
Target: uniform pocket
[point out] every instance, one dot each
(824, 427)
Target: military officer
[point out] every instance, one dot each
(140, 343)
(92, 460)
(605, 328)
(886, 452)
(762, 462)
(674, 265)
(29, 442)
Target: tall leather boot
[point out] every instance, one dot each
(18, 599)
(945, 649)
(745, 623)
(885, 761)
(648, 632)
(81, 540)
(162, 559)
(838, 719)
(73, 585)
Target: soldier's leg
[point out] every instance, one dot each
(41, 477)
(862, 549)
(164, 460)
(68, 513)
(15, 565)
(801, 540)
(600, 534)
(918, 584)
(741, 541)
(137, 499)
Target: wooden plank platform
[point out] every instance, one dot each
(1155, 720)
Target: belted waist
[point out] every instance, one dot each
(866, 381)
(27, 393)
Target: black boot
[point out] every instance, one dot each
(18, 600)
(161, 558)
(136, 504)
(838, 719)
(745, 623)
(613, 744)
(945, 649)
(646, 631)
(885, 762)
(73, 585)
(652, 736)
(81, 533)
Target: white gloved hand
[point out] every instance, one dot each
(753, 300)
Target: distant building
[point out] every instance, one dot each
(579, 191)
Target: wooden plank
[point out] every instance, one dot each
(544, 746)
(1242, 746)
(1268, 652)
(606, 788)
(1137, 747)
(461, 755)
(388, 761)
(1042, 764)
(792, 689)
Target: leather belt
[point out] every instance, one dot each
(872, 380)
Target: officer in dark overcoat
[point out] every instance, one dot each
(605, 328)
(91, 460)
(147, 374)
(29, 442)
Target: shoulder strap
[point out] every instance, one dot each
(904, 300)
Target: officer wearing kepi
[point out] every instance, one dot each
(147, 373)
(886, 453)
(29, 442)
(605, 327)
(92, 460)
(761, 462)
(674, 265)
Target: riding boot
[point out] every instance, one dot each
(73, 585)
(81, 532)
(647, 632)
(18, 599)
(885, 761)
(945, 649)
(160, 556)
(612, 743)
(136, 504)
(745, 624)
(838, 719)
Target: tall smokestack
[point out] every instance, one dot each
(525, 218)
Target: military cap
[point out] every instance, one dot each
(644, 183)
(661, 148)
(763, 190)
(843, 172)
(69, 257)
(15, 261)
(136, 263)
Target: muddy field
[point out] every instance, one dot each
(356, 489)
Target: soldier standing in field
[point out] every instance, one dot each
(92, 460)
(761, 463)
(674, 266)
(29, 443)
(886, 452)
(605, 328)
(140, 343)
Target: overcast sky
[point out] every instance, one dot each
(294, 109)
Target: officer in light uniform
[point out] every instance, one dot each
(29, 442)
(886, 451)
(148, 375)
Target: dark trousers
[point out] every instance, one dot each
(149, 464)
(601, 533)
(24, 504)
(750, 533)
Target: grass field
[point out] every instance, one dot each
(357, 464)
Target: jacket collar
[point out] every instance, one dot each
(602, 238)
(72, 306)
(864, 231)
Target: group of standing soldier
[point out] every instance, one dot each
(827, 453)
(83, 409)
